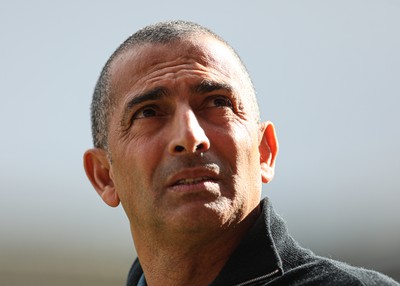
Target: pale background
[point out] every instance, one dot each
(327, 73)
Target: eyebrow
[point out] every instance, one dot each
(208, 86)
(152, 94)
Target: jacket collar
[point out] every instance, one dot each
(257, 256)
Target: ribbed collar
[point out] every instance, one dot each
(256, 257)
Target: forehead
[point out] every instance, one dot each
(147, 62)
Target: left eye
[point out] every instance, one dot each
(221, 101)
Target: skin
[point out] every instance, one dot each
(188, 157)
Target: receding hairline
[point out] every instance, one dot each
(120, 56)
(130, 47)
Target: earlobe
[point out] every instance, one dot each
(268, 148)
(97, 168)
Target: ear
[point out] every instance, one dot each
(268, 148)
(97, 167)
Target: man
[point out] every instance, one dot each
(179, 142)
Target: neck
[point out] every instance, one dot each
(189, 258)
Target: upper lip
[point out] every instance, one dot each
(193, 173)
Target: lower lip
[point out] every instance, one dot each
(203, 186)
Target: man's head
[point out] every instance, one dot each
(188, 151)
(160, 33)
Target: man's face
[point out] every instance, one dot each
(172, 103)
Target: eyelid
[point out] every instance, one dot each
(142, 108)
(227, 98)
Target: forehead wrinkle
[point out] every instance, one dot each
(204, 64)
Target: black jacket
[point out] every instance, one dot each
(268, 255)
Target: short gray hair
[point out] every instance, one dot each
(163, 32)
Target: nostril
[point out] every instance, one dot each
(200, 147)
(179, 148)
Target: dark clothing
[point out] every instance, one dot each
(268, 255)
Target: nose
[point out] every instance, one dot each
(187, 136)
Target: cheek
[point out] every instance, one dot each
(245, 142)
(129, 169)
(238, 142)
(244, 139)
(135, 171)
(132, 189)
(136, 164)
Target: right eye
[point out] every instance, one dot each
(145, 112)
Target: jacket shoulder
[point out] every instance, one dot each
(325, 271)
(365, 276)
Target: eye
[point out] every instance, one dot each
(221, 101)
(145, 112)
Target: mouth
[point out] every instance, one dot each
(193, 181)
(194, 178)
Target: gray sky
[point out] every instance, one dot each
(327, 73)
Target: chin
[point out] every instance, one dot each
(202, 215)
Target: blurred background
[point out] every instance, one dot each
(327, 74)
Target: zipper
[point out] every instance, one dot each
(259, 278)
